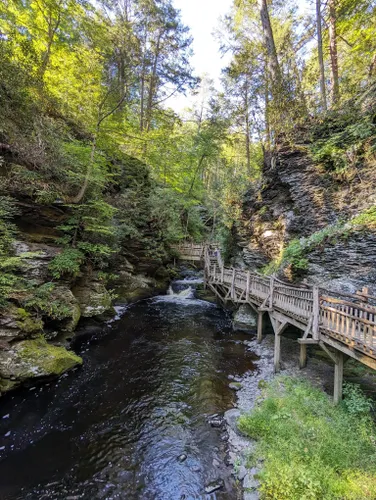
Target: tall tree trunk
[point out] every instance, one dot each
(333, 51)
(142, 101)
(52, 29)
(247, 128)
(321, 56)
(268, 140)
(152, 85)
(275, 70)
(80, 195)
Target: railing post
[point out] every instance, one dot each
(271, 293)
(222, 274)
(315, 312)
(248, 285)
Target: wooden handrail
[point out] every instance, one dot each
(314, 307)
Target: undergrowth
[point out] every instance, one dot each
(344, 139)
(310, 448)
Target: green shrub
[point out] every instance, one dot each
(311, 448)
(42, 301)
(342, 141)
(66, 263)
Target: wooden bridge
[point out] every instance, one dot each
(343, 325)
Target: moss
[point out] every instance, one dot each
(27, 323)
(45, 358)
(7, 384)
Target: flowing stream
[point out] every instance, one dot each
(134, 422)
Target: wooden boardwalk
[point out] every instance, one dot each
(342, 325)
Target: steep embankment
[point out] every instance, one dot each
(62, 262)
(313, 216)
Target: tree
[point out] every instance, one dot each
(273, 64)
(321, 56)
(333, 51)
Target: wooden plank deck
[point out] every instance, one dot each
(346, 323)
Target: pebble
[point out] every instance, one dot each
(216, 422)
(224, 436)
(7, 434)
(6, 416)
(235, 386)
(214, 486)
(182, 458)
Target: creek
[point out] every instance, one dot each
(134, 421)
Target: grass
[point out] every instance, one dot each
(310, 448)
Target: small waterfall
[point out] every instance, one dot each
(188, 293)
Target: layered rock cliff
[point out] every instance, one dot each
(312, 216)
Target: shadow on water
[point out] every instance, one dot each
(132, 423)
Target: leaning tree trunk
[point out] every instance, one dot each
(247, 128)
(333, 51)
(321, 56)
(274, 68)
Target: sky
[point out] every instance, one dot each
(202, 17)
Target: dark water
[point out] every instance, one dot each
(115, 428)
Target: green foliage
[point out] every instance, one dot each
(9, 263)
(355, 402)
(366, 219)
(311, 448)
(42, 301)
(66, 263)
(344, 140)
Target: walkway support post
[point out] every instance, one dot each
(277, 352)
(248, 285)
(303, 356)
(338, 377)
(260, 316)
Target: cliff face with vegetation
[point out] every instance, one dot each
(63, 262)
(313, 215)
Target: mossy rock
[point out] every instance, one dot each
(33, 359)
(27, 323)
(16, 322)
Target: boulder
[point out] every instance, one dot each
(40, 256)
(15, 323)
(92, 296)
(130, 287)
(33, 359)
(64, 294)
(244, 319)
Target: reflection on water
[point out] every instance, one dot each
(132, 423)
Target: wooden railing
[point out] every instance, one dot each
(351, 319)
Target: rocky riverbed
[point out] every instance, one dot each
(319, 371)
